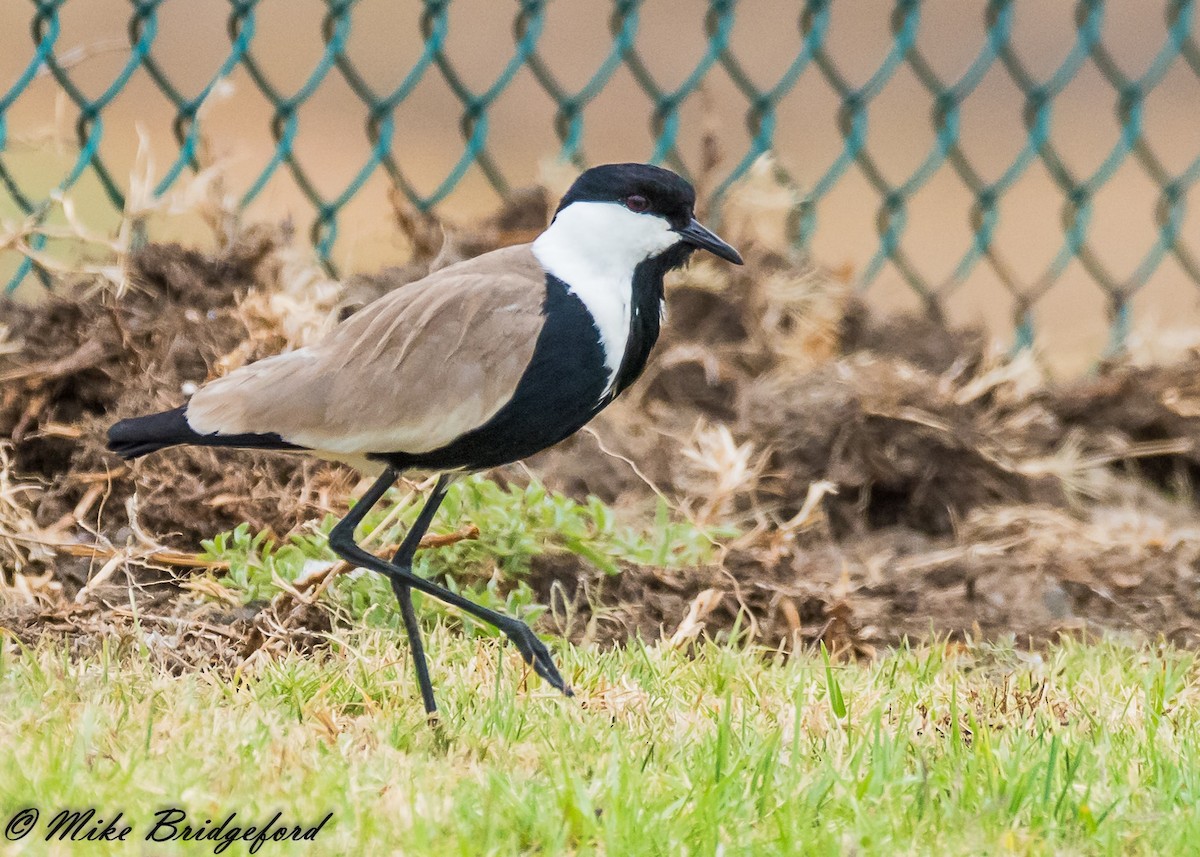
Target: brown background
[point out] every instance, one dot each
(385, 41)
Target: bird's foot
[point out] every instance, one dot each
(535, 653)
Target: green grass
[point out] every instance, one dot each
(1084, 749)
(517, 523)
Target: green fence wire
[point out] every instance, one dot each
(815, 57)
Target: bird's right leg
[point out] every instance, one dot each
(341, 541)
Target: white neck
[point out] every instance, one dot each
(594, 247)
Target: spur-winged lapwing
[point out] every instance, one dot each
(479, 364)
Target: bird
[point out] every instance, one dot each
(479, 364)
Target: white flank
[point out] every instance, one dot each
(593, 247)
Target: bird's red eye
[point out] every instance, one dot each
(637, 202)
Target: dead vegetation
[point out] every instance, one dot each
(890, 477)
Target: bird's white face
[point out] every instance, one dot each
(603, 239)
(594, 247)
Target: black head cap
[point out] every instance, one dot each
(647, 189)
(665, 193)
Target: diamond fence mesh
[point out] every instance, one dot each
(1026, 148)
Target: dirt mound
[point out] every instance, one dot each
(86, 359)
(894, 478)
(890, 477)
(1138, 404)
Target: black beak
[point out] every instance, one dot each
(700, 236)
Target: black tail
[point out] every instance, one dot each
(143, 435)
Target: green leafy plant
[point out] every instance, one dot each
(516, 523)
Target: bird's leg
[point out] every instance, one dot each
(403, 559)
(341, 541)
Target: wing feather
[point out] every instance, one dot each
(410, 372)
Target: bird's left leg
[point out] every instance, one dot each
(403, 559)
(341, 541)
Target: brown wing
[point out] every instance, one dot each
(408, 373)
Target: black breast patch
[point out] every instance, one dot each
(559, 393)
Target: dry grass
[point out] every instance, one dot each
(867, 478)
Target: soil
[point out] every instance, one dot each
(87, 359)
(892, 479)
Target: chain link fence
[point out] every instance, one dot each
(924, 130)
